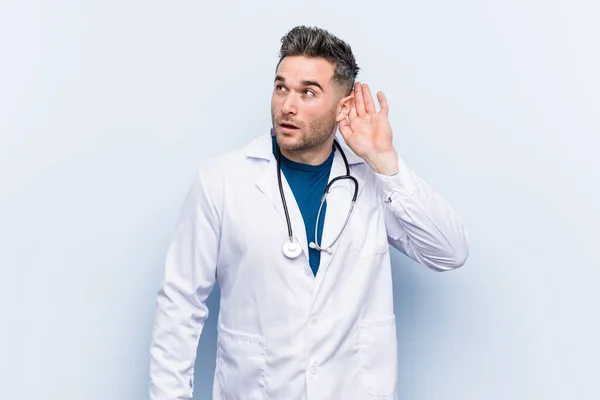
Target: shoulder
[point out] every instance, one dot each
(234, 164)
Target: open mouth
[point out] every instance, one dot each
(287, 125)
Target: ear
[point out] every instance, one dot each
(344, 106)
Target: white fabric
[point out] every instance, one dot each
(283, 333)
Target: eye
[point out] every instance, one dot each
(279, 87)
(309, 92)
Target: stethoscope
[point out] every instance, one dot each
(291, 248)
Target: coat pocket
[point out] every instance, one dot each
(377, 350)
(241, 359)
(369, 233)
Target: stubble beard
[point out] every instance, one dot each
(309, 137)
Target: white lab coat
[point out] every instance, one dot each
(283, 333)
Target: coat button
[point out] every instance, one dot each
(313, 369)
(313, 321)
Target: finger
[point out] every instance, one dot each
(344, 128)
(383, 104)
(368, 99)
(358, 100)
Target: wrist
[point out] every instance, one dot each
(384, 163)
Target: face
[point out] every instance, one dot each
(305, 105)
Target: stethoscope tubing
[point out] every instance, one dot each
(327, 188)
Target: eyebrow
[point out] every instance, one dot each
(302, 83)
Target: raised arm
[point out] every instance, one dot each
(420, 223)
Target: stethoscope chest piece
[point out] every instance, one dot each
(291, 248)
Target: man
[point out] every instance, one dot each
(305, 312)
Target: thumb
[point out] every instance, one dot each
(345, 130)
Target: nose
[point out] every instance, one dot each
(289, 105)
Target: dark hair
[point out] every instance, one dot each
(316, 42)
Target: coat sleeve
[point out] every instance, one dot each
(420, 223)
(189, 276)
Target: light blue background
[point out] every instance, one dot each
(107, 107)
